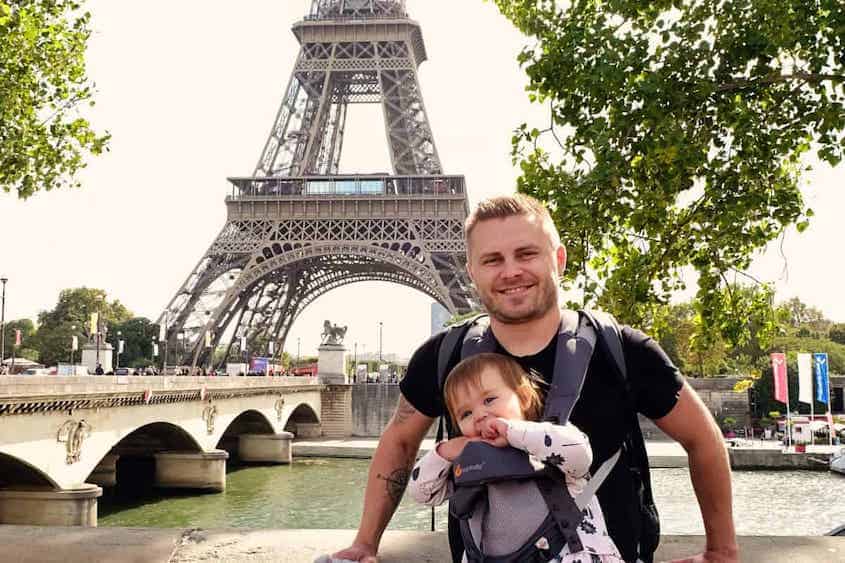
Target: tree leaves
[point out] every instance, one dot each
(43, 86)
(688, 125)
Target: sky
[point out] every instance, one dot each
(189, 91)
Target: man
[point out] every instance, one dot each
(515, 260)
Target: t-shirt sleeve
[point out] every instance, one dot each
(419, 386)
(655, 380)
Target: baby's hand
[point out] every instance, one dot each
(494, 431)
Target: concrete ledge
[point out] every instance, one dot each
(749, 458)
(25, 544)
(192, 470)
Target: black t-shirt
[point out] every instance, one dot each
(601, 411)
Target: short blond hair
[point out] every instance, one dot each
(468, 374)
(502, 207)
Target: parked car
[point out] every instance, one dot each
(122, 371)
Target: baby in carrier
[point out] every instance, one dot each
(491, 399)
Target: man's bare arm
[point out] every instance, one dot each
(691, 424)
(392, 463)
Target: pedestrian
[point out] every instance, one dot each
(99, 370)
(515, 260)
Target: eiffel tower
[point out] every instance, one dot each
(298, 228)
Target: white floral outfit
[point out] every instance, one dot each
(516, 509)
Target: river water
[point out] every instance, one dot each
(328, 493)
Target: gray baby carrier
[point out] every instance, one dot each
(481, 464)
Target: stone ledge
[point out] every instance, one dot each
(29, 544)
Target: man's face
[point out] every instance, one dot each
(515, 268)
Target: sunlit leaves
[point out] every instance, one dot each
(43, 86)
(687, 123)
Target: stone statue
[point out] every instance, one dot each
(333, 334)
(72, 433)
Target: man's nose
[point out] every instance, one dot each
(511, 268)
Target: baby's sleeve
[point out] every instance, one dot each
(565, 447)
(429, 483)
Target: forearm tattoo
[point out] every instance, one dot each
(396, 483)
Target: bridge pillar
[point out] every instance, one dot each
(192, 470)
(336, 406)
(48, 507)
(265, 448)
(105, 474)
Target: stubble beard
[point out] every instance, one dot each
(546, 302)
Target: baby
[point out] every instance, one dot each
(492, 399)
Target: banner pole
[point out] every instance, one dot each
(829, 415)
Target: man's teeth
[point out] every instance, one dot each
(515, 289)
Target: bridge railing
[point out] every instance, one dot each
(343, 185)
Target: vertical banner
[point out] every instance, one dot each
(821, 377)
(243, 343)
(271, 348)
(94, 323)
(120, 346)
(208, 339)
(779, 374)
(17, 337)
(155, 349)
(805, 379)
(74, 343)
(162, 331)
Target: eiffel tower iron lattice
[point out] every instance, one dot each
(298, 228)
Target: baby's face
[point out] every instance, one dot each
(492, 398)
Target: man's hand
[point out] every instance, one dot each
(494, 431)
(357, 552)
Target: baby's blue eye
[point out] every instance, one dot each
(489, 400)
(465, 414)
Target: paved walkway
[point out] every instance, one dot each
(25, 544)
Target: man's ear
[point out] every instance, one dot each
(469, 271)
(561, 259)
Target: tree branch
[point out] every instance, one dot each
(804, 76)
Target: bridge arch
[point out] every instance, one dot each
(15, 472)
(303, 421)
(248, 422)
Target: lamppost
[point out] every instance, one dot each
(297, 351)
(3, 322)
(355, 365)
(380, 324)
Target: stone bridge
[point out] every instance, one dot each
(64, 438)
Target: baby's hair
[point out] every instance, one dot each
(468, 373)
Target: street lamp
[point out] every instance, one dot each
(3, 322)
(297, 351)
(380, 324)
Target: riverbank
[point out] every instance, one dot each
(755, 454)
(25, 544)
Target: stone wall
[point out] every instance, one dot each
(336, 416)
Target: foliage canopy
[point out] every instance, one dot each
(681, 128)
(43, 138)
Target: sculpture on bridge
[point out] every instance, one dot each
(72, 433)
(333, 334)
(209, 413)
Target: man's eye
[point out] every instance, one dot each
(490, 261)
(528, 254)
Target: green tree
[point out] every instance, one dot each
(73, 309)
(685, 123)
(26, 349)
(43, 85)
(837, 333)
(804, 317)
(137, 334)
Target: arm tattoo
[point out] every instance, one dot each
(404, 410)
(396, 483)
